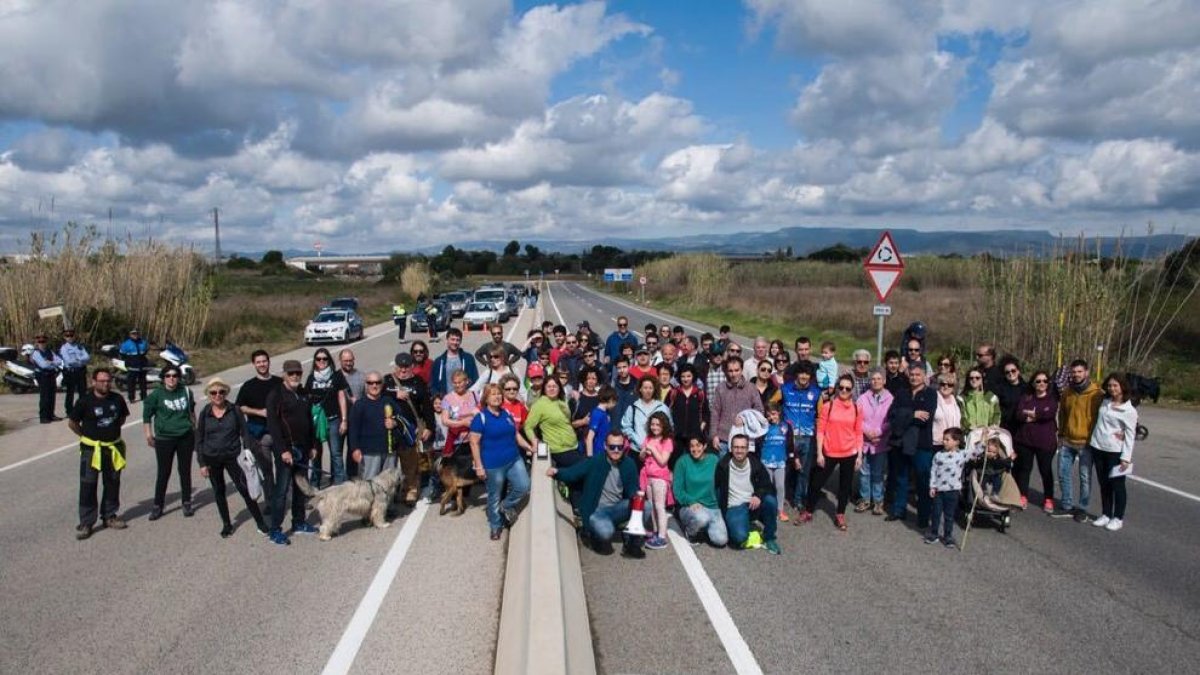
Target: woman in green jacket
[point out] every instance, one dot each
(550, 420)
(168, 421)
(981, 408)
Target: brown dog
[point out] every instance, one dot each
(457, 476)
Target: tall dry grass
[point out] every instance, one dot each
(698, 279)
(416, 279)
(105, 287)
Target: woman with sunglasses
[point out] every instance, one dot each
(839, 446)
(1010, 393)
(948, 414)
(168, 421)
(947, 365)
(981, 408)
(327, 388)
(422, 365)
(764, 381)
(1037, 439)
(496, 445)
(510, 386)
(221, 433)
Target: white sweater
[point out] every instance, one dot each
(1111, 421)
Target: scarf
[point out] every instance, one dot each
(324, 375)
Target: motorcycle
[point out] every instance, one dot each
(175, 356)
(121, 371)
(19, 372)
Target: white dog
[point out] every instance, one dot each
(366, 499)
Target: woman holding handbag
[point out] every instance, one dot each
(220, 435)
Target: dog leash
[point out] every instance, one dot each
(308, 467)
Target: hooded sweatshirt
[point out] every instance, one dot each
(1077, 413)
(1116, 425)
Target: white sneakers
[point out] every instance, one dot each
(1101, 521)
(1110, 524)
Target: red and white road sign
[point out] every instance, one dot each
(642, 280)
(884, 266)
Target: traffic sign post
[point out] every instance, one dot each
(642, 285)
(884, 266)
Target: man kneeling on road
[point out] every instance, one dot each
(745, 493)
(694, 485)
(607, 483)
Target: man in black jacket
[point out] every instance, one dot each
(414, 412)
(289, 421)
(745, 493)
(911, 421)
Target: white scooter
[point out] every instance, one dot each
(171, 354)
(175, 356)
(19, 371)
(121, 371)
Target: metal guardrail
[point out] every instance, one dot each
(544, 626)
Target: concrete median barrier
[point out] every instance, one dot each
(544, 625)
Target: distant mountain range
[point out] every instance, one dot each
(805, 240)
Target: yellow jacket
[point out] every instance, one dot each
(1077, 413)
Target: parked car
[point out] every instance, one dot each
(333, 324)
(458, 302)
(419, 322)
(496, 296)
(481, 314)
(344, 303)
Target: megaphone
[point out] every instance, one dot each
(635, 527)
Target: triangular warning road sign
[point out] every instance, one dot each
(885, 253)
(884, 280)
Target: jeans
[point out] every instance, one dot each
(285, 479)
(176, 451)
(517, 478)
(921, 462)
(737, 520)
(1067, 455)
(602, 524)
(805, 450)
(945, 507)
(870, 486)
(373, 465)
(696, 518)
(89, 480)
(337, 466)
(1112, 490)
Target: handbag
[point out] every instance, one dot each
(249, 467)
(320, 423)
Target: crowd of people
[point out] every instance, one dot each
(732, 443)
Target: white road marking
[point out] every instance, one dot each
(561, 321)
(739, 652)
(513, 328)
(138, 421)
(360, 624)
(1167, 488)
(643, 310)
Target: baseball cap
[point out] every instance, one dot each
(583, 324)
(404, 359)
(535, 370)
(641, 350)
(292, 365)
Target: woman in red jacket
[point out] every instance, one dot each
(839, 445)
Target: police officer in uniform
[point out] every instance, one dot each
(46, 366)
(134, 350)
(75, 360)
(400, 318)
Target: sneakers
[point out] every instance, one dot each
(1024, 502)
(877, 510)
(862, 507)
(656, 543)
(804, 517)
(1048, 506)
(227, 531)
(303, 528)
(155, 513)
(188, 512)
(495, 535)
(783, 516)
(1114, 525)
(931, 539)
(1081, 516)
(1101, 521)
(115, 523)
(510, 517)
(1060, 512)
(279, 538)
(839, 521)
(772, 547)
(950, 543)
(633, 551)
(83, 532)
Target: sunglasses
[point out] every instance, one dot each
(1011, 371)
(975, 377)
(496, 356)
(622, 325)
(1041, 381)
(171, 376)
(419, 352)
(944, 364)
(321, 359)
(370, 382)
(917, 350)
(863, 362)
(845, 388)
(945, 384)
(512, 389)
(218, 392)
(615, 448)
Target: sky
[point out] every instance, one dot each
(384, 125)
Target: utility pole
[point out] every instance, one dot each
(217, 232)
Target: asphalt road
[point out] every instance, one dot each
(1047, 596)
(171, 596)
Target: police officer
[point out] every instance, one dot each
(46, 366)
(75, 360)
(431, 318)
(400, 318)
(134, 350)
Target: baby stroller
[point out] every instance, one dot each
(989, 490)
